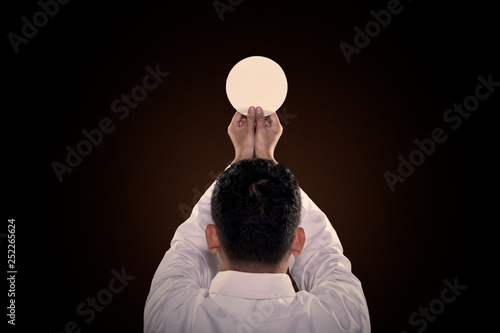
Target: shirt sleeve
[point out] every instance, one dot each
(185, 268)
(323, 270)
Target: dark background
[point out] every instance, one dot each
(344, 126)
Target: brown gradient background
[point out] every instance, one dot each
(120, 207)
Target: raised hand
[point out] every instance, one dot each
(267, 134)
(241, 130)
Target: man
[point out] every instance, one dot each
(226, 268)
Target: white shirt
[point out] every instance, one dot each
(190, 295)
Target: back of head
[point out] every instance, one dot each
(256, 211)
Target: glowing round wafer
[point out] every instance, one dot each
(256, 81)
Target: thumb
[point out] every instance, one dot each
(250, 118)
(259, 116)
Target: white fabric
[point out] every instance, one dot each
(189, 295)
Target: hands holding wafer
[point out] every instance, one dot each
(254, 135)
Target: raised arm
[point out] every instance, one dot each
(321, 268)
(188, 267)
(324, 271)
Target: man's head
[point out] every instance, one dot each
(256, 211)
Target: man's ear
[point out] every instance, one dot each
(298, 242)
(213, 243)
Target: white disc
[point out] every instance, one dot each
(256, 81)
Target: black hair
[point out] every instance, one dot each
(256, 211)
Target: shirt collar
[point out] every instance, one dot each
(252, 285)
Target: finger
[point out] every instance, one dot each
(250, 117)
(267, 121)
(236, 119)
(274, 120)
